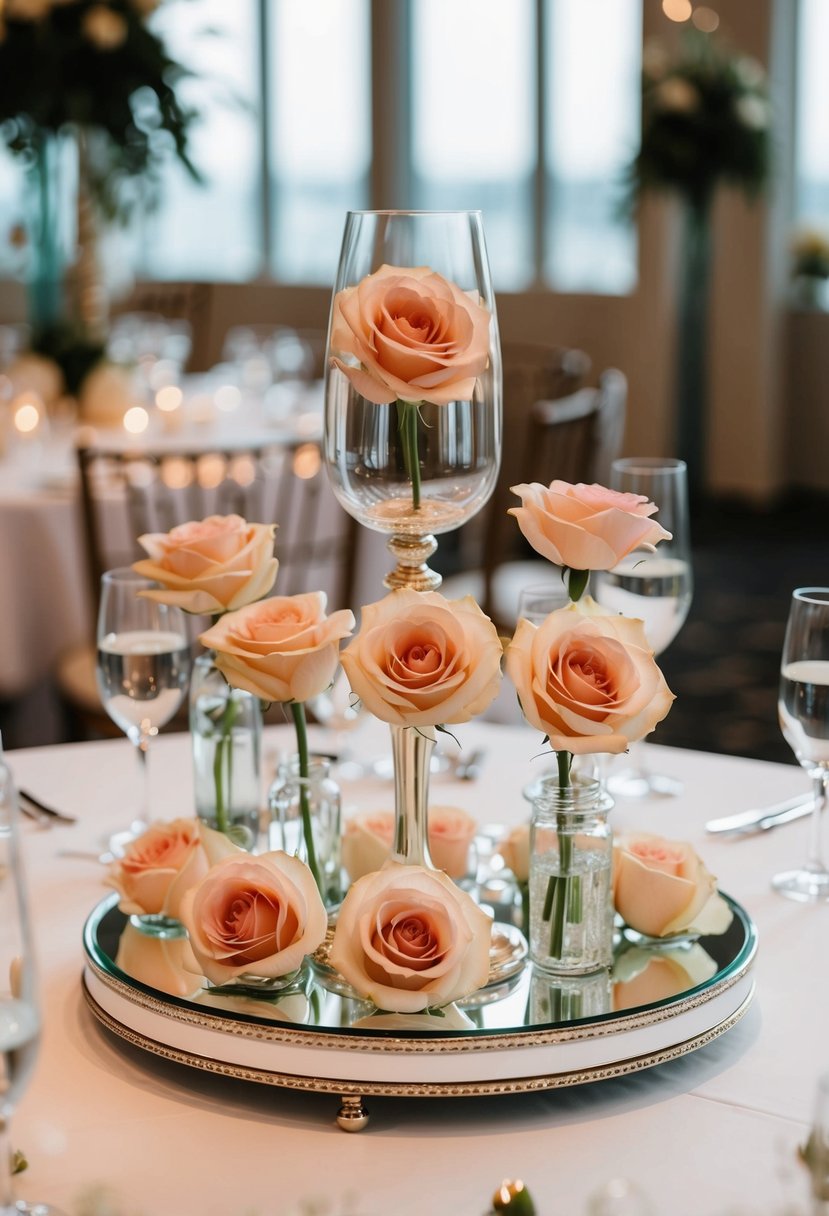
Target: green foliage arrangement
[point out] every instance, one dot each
(94, 66)
(705, 121)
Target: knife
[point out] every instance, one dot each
(44, 809)
(764, 819)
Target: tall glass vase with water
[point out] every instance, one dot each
(656, 587)
(19, 1005)
(803, 707)
(143, 668)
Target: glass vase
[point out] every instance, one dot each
(571, 906)
(412, 468)
(49, 241)
(412, 754)
(322, 798)
(226, 729)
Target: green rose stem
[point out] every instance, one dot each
(298, 714)
(223, 760)
(577, 584)
(563, 898)
(407, 426)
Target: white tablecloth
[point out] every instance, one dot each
(714, 1132)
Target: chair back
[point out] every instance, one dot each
(570, 438)
(126, 493)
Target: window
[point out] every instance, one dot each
(812, 101)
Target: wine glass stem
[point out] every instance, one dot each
(7, 1201)
(815, 861)
(142, 747)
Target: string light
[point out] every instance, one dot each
(677, 10)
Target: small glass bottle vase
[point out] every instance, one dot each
(226, 729)
(571, 906)
(322, 801)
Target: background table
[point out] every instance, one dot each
(712, 1132)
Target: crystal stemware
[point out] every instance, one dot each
(19, 1006)
(803, 707)
(142, 670)
(655, 586)
(413, 380)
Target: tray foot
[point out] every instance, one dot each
(352, 1115)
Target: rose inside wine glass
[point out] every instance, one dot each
(19, 1007)
(803, 707)
(143, 668)
(655, 586)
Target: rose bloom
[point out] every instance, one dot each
(215, 565)
(585, 527)
(282, 649)
(368, 838)
(643, 977)
(515, 850)
(422, 660)
(417, 337)
(158, 867)
(587, 680)
(661, 887)
(409, 939)
(255, 916)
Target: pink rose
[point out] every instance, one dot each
(163, 963)
(256, 916)
(422, 660)
(282, 649)
(585, 527)
(213, 566)
(515, 850)
(158, 867)
(367, 840)
(661, 887)
(409, 939)
(415, 336)
(643, 977)
(587, 680)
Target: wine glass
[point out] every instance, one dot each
(656, 587)
(803, 707)
(419, 454)
(143, 668)
(19, 1008)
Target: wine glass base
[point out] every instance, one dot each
(805, 886)
(24, 1208)
(637, 784)
(117, 843)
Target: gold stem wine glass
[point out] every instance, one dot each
(143, 669)
(803, 707)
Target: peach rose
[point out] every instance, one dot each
(515, 850)
(409, 939)
(368, 837)
(163, 963)
(643, 977)
(415, 335)
(661, 887)
(215, 565)
(588, 680)
(282, 649)
(255, 916)
(585, 527)
(422, 660)
(158, 867)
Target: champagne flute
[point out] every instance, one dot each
(655, 586)
(803, 707)
(143, 668)
(19, 1008)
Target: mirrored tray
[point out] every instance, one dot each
(528, 1032)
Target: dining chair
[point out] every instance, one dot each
(126, 493)
(570, 438)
